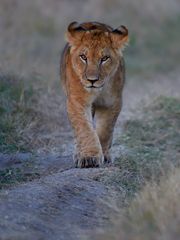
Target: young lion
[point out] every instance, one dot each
(93, 74)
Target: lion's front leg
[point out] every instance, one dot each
(105, 122)
(88, 147)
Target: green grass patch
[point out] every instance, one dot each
(152, 146)
(15, 112)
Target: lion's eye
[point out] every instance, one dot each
(105, 58)
(83, 57)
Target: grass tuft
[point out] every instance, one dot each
(15, 111)
(12, 176)
(152, 146)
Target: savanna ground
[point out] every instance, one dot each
(42, 195)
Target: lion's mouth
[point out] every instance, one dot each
(94, 86)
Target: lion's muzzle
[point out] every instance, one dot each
(92, 80)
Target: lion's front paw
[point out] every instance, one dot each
(88, 162)
(107, 158)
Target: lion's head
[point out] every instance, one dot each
(95, 51)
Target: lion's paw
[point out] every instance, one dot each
(107, 158)
(88, 162)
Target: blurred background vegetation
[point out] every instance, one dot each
(32, 33)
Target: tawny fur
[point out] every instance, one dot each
(104, 62)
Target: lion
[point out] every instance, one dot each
(93, 74)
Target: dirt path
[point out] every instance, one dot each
(59, 206)
(65, 202)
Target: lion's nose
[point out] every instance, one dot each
(92, 79)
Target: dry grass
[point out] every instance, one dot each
(156, 210)
(149, 175)
(150, 147)
(153, 214)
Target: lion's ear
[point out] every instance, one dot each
(120, 37)
(74, 33)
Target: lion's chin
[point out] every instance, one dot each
(93, 88)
